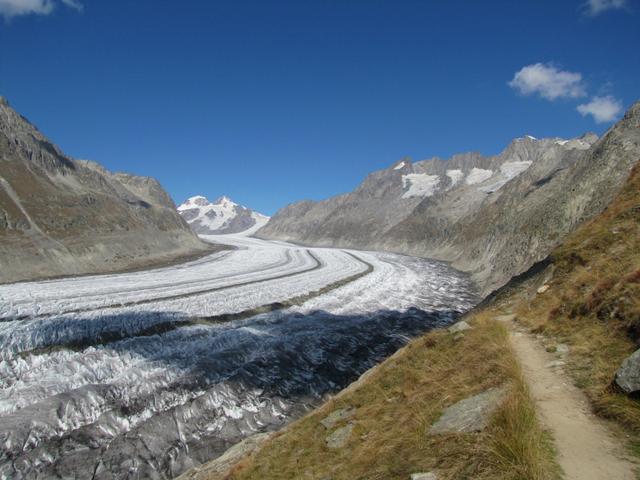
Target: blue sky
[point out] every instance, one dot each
(271, 102)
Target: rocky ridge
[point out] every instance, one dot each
(61, 216)
(491, 216)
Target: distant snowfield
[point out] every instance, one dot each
(420, 184)
(115, 375)
(222, 216)
(478, 175)
(455, 175)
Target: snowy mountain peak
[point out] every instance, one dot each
(405, 163)
(224, 200)
(220, 217)
(526, 137)
(198, 200)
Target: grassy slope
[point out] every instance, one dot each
(592, 304)
(398, 402)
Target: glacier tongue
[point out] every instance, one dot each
(122, 391)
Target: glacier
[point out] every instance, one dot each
(134, 375)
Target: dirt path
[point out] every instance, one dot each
(586, 448)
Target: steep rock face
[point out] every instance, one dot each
(491, 216)
(220, 217)
(62, 216)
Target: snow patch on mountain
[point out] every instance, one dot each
(400, 166)
(455, 176)
(513, 169)
(581, 143)
(478, 175)
(420, 185)
(220, 217)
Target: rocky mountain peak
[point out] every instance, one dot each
(589, 138)
(402, 164)
(198, 200)
(632, 117)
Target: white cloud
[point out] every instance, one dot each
(14, 8)
(548, 82)
(596, 7)
(75, 4)
(603, 109)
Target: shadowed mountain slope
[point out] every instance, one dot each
(62, 216)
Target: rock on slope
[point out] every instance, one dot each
(62, 216)
(491, 216)
(220, 217)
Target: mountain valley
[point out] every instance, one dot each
(156, 372)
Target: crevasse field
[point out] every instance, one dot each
(143, 375)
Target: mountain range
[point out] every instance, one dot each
(491, 216)
(220, 217)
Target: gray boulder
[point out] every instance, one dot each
(340, 437)
(336, 417)
(459, 327)
(471, 414)
(628, 375)
(424, 476)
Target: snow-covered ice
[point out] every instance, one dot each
(419, 185)
(455, 175)
(478, 175)
(512, 169)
